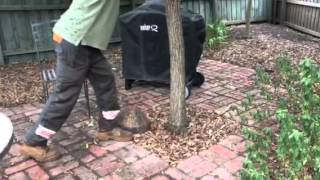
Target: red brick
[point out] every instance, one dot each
(113, 177)
(240, 148)
(97, 150)
(33, 112)
(189, 164)
(117, 145)
(58, 162)
(64, 168)
(16, 117)
(218, 154)
(36, 173)
(29, 107)
(234, 165)
(209, 178)
(138, 150)
(66, 177)
(87, 158)
(17, 110)
(84, 173)
(19, 176)
(105, 165)
(224, 92)
(20, 167)
(236, 95)
(177, 174)
(34, 118)
(230, 141)
(15, 150)
(106, 168)
(217, 89)
(197, 101)
(159, 177)
(222, 173)
(23, 126)
(212, 157)
(154, 93)
(206, 106)
(8, 112)
(196, 166)
(149, 102)
(56, 171)
(149, 166)
(14, 160)
(126, 156)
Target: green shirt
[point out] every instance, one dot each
(89, 22)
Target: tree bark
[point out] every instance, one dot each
(248, 18)
(178, 121)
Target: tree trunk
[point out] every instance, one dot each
(178, 121)
(248, 18)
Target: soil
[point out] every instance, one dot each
(205, 129)
(266, 44)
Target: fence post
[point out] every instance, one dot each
(215, 10)
(1, 56)
(274, 11)
(283, 11)
(269, 11)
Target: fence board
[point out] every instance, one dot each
(300, 28)
(303, 15)
(304, 3)
(1, 56)
(16, 17)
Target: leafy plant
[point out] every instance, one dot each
(285, 137)
(217, 33)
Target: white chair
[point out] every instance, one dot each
(6, 135)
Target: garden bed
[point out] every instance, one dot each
(266, 44)
(205, 129)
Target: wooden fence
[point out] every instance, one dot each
(15, 32)
(230, 11)
(16, 16)
(302, 15)
(16, 43)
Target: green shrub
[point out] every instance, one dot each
(290, 148)
(217, 33)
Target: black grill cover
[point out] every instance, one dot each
(145, 42)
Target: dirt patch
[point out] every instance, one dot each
(205, 129)
(267, 43)
(21, 83)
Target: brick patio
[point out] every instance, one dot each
(225, 85)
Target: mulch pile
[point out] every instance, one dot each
(21, 83)
(266, 44)
(205, 129)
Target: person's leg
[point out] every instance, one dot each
(102, 79)
(71, 70)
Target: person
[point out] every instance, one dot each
(79, 35)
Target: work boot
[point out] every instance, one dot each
(116, 134)
(39, 153)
